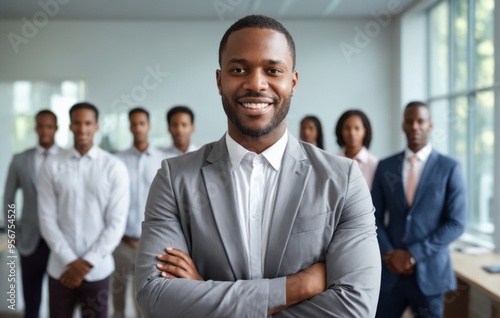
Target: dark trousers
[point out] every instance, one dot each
(407, 293)
(92, 296)
(33, 269)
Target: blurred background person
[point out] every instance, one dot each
(180, 120)
(22, 175)
(354, 135)
(311, 131)
(142, 161)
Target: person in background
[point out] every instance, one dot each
(311, 131)
(180, 120)
(142, 161)
(354, 135)
(83, 201)
(258, 223)
(33, 249)
(421, 194)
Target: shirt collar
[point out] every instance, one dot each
(92, 153)
(422, 155)
(52, 150)
(148, 151)
(361, 156)
(273, 154)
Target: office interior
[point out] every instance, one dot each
(370, 55)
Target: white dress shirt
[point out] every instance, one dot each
(174, 152)
(366, 162)
(255, 183)
(82, 207)
(39, 155)
(422, 157)
(142, 168)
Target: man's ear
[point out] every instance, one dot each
(218, 79)
(295, 81)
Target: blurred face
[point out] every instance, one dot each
(353, 132)
(308, 132)
(83, 125)
(181, 128)
(46, 127)
(256, 82)
(139, 126)
(417, 125)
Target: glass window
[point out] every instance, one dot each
(460, 25)
(439, 49)
(484, 49)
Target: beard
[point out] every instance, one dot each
(234, 118)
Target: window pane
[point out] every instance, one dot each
(460, 45)
(483, 161)
(484, 43)
(439, 57)
(459, 127)
(441, 118)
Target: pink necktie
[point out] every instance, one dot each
(411, 182)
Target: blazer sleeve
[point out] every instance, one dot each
(353, 261)
(11, 186)
(184, 297)
(380, 205)
(454, 218)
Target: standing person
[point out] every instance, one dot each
(311, 131)
(258, 223)
(83, 201)
(354, 135)
(33, 249)
(142, 161)
(180, 120)
(423, 194)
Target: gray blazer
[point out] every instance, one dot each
(323, 212)
(22, 175)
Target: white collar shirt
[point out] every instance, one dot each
(422, 157)
(142, 168)
(82, 208)
(255, 179)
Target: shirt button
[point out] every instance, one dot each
(255, 179)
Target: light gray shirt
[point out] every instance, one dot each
(255, 183)
(83, 203)
(174, 152)
(142, 168)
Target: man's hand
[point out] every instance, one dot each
(75, 274)
(399, 262)
(178, 265)
(304, 285)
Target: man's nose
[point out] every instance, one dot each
(256, 81)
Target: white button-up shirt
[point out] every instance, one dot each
(142, 168)
(82, 208)
(422, 157)
(174, 152)
(39, 155)
(255, 179)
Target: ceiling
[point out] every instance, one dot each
(193, 9)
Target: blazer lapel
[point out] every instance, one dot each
(291, 185)
(219, 185)
(400, 186)
(30, 167)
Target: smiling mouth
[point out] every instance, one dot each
(255, 105)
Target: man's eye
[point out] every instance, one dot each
(237, 70)
(275, 71)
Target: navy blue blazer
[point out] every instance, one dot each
(436, 218)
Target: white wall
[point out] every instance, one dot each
(113, 59)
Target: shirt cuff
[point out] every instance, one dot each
(277, 292)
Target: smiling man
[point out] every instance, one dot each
(83, 202)
(258, 223)
(423, 194)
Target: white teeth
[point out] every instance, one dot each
(255, 105)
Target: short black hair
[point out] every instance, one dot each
(258, 22)
(46, 112)
(366, 122)
(317, 123)
(416, 103)
(138, 110)
(84, 105)
(180, 109)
